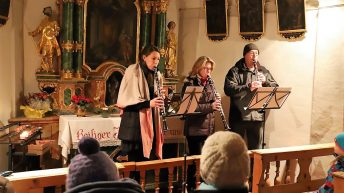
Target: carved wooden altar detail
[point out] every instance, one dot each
(92, 66)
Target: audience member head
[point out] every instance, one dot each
(5, 186)
(339, 144)
(90, 165)
(225, 162)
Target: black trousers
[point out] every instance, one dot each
(195, 144)
(252, 130)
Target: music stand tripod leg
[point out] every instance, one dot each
(263, 127)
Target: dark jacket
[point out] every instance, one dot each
(200, 124)
(123, 186)
(130, 120)
(237, 87)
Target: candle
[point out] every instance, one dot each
(24, 135)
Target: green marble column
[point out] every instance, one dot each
(67, 38)
(78, 38)
(146, 24)
(160, 31)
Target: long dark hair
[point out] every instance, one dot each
(148, 50)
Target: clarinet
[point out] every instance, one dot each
(223, 118)
(162, 111)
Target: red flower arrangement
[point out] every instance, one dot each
(81, 101)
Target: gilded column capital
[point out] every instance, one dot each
(161, 6)
(80, 2)
(78, 46)
(68, 46)
(147, 6)
(67, 74)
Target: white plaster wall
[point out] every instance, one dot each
(11, 68)
(328, 103)
(291, 62)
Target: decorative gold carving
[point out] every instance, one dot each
(51, 88)
(80, 2)
(147, 6)
(251, 36)
(162, 52)
(67, 46)
(161, 6)
(67, 74)
(47, 46)
(78, 47)
(78, 75)
(293, 35)
(171, 51)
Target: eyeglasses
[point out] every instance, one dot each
(206, 68)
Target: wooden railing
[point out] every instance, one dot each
(338, 182)
(35, 181)
(303, 156)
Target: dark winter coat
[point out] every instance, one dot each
(202, 124)
(237, 87)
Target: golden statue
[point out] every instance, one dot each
(171, 51)
(48, 29)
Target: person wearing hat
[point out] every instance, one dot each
(240, 84)
(225, 163)
(91, 165)
(337, 165)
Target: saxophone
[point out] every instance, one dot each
(223, 118)
(163, 110)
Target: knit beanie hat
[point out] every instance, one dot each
(339, 144)
(250, 47)
(90, 165)
(224, 161)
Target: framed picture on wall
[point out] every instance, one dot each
(291, 18)
(251, 18)
(4, 9)
(216, 19)
(111, 32)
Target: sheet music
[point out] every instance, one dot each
(262, 96)
(190, 99)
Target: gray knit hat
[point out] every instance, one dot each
(90, 165)
(224, 161)
(249, 47)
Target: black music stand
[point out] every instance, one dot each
(186, 107)
(268, 98)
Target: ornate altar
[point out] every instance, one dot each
(98, 40)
